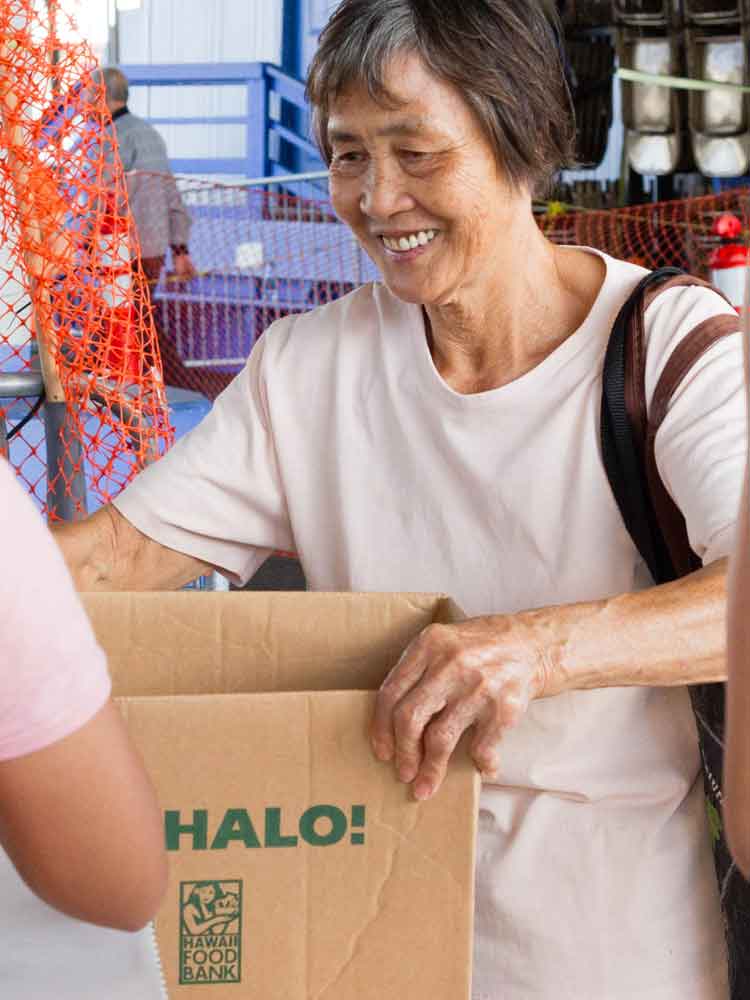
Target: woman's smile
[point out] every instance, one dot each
(409, 246)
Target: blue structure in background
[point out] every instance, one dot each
(277, 137)
(276, 123)
(302, 24)
(307, 259)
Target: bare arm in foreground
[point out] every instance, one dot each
(737, 786)
(106, 552)
(78, 814)
(80, 821)
(485, 672)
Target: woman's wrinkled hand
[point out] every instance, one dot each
(483, 672)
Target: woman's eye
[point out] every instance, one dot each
(346, 159)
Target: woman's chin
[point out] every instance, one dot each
(410, 292)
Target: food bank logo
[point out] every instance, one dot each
(211, 932)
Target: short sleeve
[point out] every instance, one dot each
(53, 675)
(701, 446)
(217, 495)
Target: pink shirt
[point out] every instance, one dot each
(53, 675)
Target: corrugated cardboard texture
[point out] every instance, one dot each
(389, 918)
(203, 643)
(306, 896)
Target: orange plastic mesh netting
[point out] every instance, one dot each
(686, 233)
(73, 299)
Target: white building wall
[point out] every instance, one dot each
(199, 31)
(173, 31)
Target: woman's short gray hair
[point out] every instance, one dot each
(502, 55)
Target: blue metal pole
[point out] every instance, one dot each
(257, 160)
(292, 39)
(293, 63)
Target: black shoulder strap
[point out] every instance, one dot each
(622, 462)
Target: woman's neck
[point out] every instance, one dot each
(534, 297)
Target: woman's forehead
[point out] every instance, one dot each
(404, 80)
(398, 124)
(405, 109)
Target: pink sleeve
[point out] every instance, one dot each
(53, 675)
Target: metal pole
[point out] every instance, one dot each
(3, 435)
(20, 385)
(66, 482)
(113, 38)
(318, 175)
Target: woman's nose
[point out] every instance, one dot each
(384, 192)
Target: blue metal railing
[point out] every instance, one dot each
(276, 122)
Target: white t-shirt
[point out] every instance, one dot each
(341, 440)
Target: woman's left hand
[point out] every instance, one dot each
(483, 672)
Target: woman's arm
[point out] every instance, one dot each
(80, 821)
(665, 636)
(106, 552)
(484, 672)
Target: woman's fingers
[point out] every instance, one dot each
(483, 677)
(440, 740)
(399, 682)
(410, 719)
(498, 717)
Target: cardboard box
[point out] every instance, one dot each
(300, 867)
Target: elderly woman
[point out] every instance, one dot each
(438, 431)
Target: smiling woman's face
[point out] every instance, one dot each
(419, 186)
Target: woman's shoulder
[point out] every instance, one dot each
(686, 311)
(671, 313)
(678, 310)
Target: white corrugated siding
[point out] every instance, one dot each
(199, 31)
(215, 31)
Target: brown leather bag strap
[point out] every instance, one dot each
(685, 355)
(678, 281)
(646, 424)
(635, 358)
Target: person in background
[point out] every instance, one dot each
(79, 817)
(161, 219)
(160, 216)
(737, 790)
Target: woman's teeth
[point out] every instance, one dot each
(404, 243)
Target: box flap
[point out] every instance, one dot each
(202, 643)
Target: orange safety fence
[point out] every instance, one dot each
(687, 233)
(74, 303)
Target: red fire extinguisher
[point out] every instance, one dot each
(728, 261)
